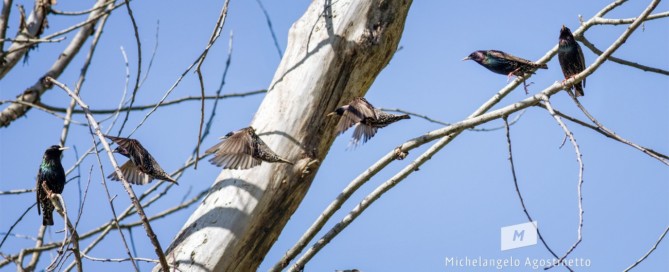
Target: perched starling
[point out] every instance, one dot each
(368, 119)
(571, 58)
(51, 172)
(142, 168)
(503, 63)
(242, 149)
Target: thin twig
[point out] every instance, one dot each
(153, 55)
(59, 204)
(145, 107)
(139, 64)
(75, 13)
(119, 260)
(214, 36)
(579, 159)
(271, 29)
(596, 50)
(82, 76)
(17, 192)
(520, 196)
(44, 109)
(16, 223)
(650, 152)
(626, 21)
(210, 121)
(649, 251)
(432, 120)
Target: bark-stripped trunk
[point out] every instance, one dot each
(334, 53)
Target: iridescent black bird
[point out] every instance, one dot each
(367, 118)
(503, 63)
(571, 58)
(242, 149)
(50, 172)
(142, 168)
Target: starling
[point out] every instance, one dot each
(503, 63)
(142, 168)
(242, 149)
(368, 119)
(571, 58)
(51, 172)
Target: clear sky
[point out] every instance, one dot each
(453, 207)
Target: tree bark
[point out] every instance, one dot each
(334, 53)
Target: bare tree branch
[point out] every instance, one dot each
(650, 152)
(82, 77)
(448, 133)
(128, 188)
(649, 251)
(139, 64)
(214, 36)
(579, 159)
(431, 120)
(4, 18)
(520, 196)
(31, 28)
(172, 102)
(59, 204)
(271, 29)
(33, 93)
(596, 50)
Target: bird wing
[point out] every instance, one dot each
(132, 174)
(39, 191)
(502, 55)
(581, 60)
(363, 132)
(131, 146)
(124, 142)
(235, 151)
(359, 109)
(235, 161)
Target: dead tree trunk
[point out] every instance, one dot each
(334, 53)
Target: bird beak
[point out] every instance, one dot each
(467, 58)
(63, 148)
(330, 114)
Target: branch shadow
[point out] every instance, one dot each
(213, 219)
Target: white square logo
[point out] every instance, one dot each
(520, 235)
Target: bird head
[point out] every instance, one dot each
(565, 33)
(55, 150)
(476, 56)
(121, 150)
(339, 111)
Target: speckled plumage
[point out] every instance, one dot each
(50, 172)
(242, 149)
(571, 58)
(367, 119)
(141, 168)
(503, 63)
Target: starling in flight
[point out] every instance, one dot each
(503, 63)
(571, 58)
(142, 168)
(368, 119)
(50, 172)
(242, 149)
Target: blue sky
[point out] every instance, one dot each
(453, 207)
